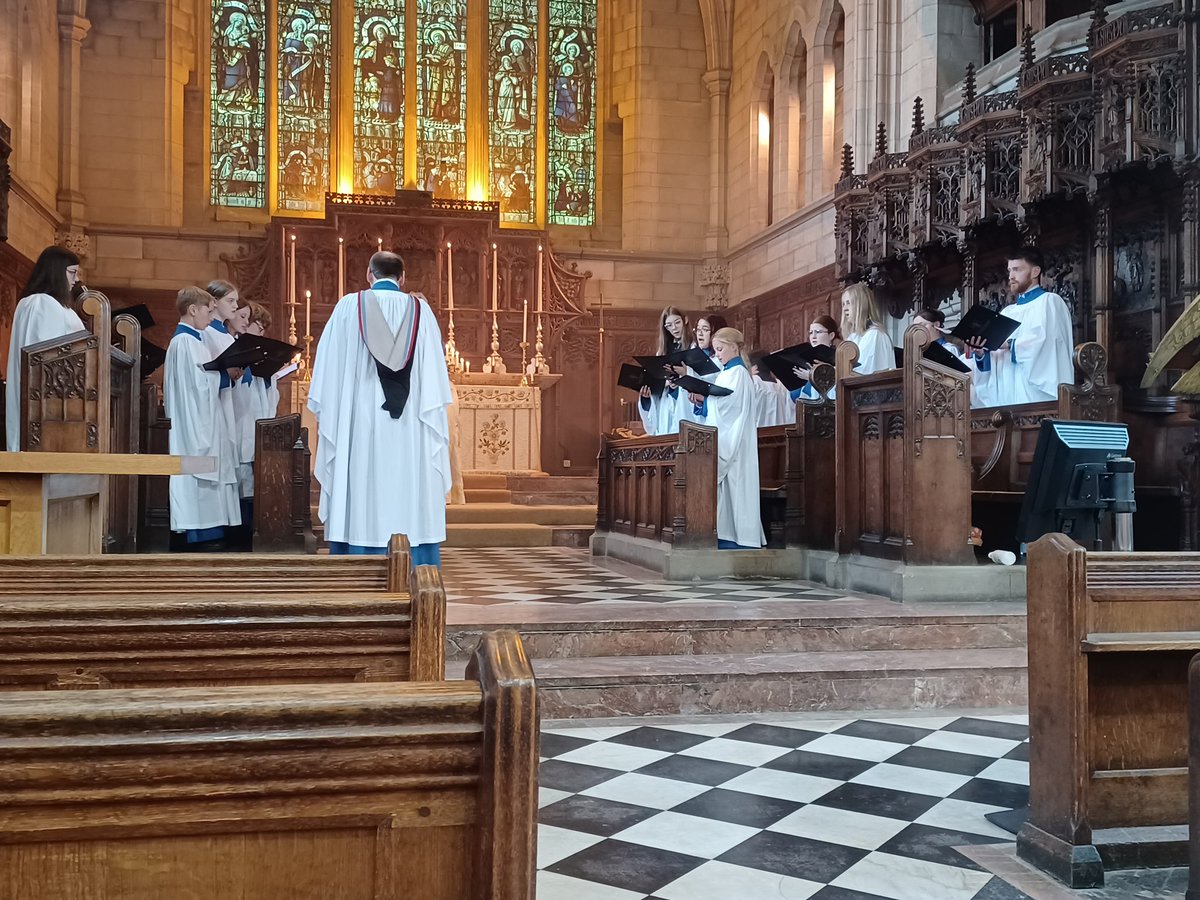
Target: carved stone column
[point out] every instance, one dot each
(716, 238)
(73, 27)
(1102, 273)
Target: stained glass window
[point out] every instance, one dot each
(238, 103)
(571, 176)
(512, 107)
(378, 96)
(303, 113)
(442, 97)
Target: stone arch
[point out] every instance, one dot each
(717, 16)
(828, 91)
(791, 119)
(762, 141)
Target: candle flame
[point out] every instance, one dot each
(293, 236)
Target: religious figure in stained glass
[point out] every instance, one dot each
(238, 104)
(512, 138)
(304, 118)
(379, 96)
(572, 138)
(442, 109)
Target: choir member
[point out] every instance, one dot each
(862, 324)
(201, 505)
(379, 392)
(1037, 358)
(221, 332)
(822, 332)
(739, 520)
(661, 414)
(706, 326)
(43, 314)
(773, 403)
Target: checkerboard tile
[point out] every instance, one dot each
(567, 575)
(837, 810)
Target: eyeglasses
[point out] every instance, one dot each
(819, 331)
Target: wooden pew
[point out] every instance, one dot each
(797, 472)
(1110, 639)
(172, 640)
(282, 487)
(154, 506)
(903, 471)
(660, 488)
(343, 792)
(1193, 891)
(200, 574)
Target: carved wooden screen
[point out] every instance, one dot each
(61, 409)
(120, 532)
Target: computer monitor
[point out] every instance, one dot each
(1079, 472)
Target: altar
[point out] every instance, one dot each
(500, 422)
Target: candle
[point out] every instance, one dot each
(495, 280)
(539, 280)
(379, 242)
(292, 274)
(308, 314)
(450, 275)
(602, 310)
(525, 321)
(341, 266)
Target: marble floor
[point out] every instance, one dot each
(791, 806)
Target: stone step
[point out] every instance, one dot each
(577, 536)
(601, 687)
(534, 498)
(648, 629)
(557, 484)
(487, 495)
(485, 481)
(501, 513)
(475, 534)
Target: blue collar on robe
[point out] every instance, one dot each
(186, 329)
(736, 361)
(385, 284)
(217, 325)
(709, 351)
(1032, 294)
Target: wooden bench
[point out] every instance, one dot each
(199, 574)
(343, 792)
(174, 640)
(1110, 639)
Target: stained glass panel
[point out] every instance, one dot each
(442, 97)
(238, 104)
(512, 107)
(378, 96)
(572, 133)
(303, 31)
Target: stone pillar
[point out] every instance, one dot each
(716, 237)
(73, 27)
(5, 178)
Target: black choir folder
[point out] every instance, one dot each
(979, 321)
(699, 386)
(939, 354)
(635, 378)
(694, 358)
(802, 356)
(261, 355)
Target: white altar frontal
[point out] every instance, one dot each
(500, 422)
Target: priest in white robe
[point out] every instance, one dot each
(1037, 358)
(201, 505)
(739, 515)
(42, 314)
(379, 392)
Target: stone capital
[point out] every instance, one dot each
(717, 81)
(72, 27)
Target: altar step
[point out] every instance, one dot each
(531, 490)
(630, 659)
(512, 525)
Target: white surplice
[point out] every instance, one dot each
(217, 339)
(739, 517)
(1039, 359)
(380, 476)
(191, 397)
(875, 351)
(253, 399)
(775, 406)
(38, 317)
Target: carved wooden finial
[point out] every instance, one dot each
(1099, 17)
(968, 88)
(918, 116)
(881, 141)
(847, 161)
(1027, 47)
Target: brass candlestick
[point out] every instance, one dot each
(540, 365)
(524, 364)
(454, 360)
(494, 364)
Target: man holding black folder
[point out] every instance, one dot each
(1029, 366)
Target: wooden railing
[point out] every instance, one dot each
(662, 488)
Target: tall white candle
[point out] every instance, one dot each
(379, 243)
(495, 281)
(450, 275)
(308, 313)
(539, 279)
(292, 275)
(525, 321)
(341, 266)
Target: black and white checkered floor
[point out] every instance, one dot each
(565, 575)
(798, 808)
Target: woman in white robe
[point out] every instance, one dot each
(662, 413)
(823, 331)
(43, 314)
(739, 517)
(862, 324)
